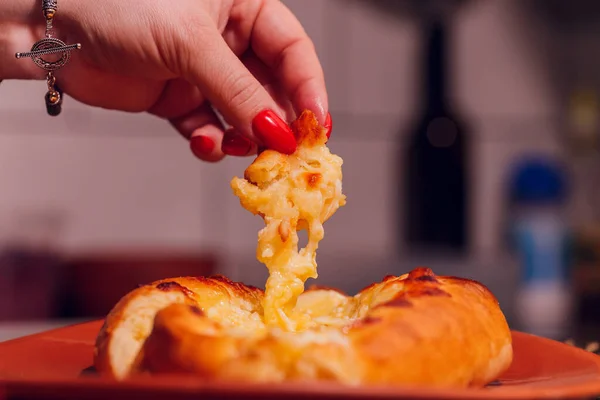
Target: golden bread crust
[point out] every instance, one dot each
(414, 329)
(131, 320)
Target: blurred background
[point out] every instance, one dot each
(469, 132)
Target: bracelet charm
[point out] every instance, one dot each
(50, 45)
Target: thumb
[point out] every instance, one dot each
(235, 92)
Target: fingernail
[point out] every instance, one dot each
(328, 125)
(235, 144)
(274, 132)
(201, 145)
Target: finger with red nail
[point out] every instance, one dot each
(273, 132)
(201, 146)
(203, 130)
(235, 144)
(240, 94)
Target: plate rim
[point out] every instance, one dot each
(192, 385)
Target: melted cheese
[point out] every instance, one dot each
(292, 192)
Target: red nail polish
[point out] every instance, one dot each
(235, 144)
(274, 132)
(201, 145)
(328, 125)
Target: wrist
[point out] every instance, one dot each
(21, 25)
(20, 11)
(17, 28)
(14, 38)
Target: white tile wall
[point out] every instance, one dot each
(127, 179)
(116, 190)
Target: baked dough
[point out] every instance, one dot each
(416, 328)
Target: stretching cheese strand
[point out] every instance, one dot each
(291, 192)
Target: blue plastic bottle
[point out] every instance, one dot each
(544, 300)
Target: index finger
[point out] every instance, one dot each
(280, 41)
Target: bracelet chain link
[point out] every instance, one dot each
(50, 45)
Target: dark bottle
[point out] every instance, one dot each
(435, 159)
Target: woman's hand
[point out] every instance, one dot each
(249, 59)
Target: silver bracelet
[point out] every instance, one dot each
(50, 45)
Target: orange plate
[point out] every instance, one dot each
(49, 365)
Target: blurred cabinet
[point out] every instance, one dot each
(94, 282)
